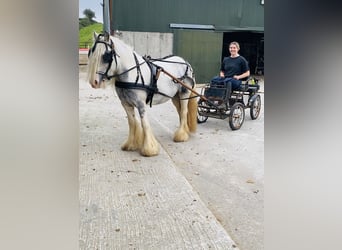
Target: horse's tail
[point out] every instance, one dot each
(192, 113)
(192, 103)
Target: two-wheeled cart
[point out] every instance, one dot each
(216, 102)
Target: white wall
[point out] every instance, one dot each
(154, 44)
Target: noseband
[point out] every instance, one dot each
(108, 56)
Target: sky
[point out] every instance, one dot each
(94, 5)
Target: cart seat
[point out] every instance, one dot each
(216, 91)
(242, 87)
(250, 84)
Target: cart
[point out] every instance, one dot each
(216, 102)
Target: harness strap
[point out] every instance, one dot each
(126, 71)
(195, 96)
(139, 74)
(163, 60)
(155, 71)
(133, 85)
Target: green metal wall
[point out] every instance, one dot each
(156, 15)
(202, 49)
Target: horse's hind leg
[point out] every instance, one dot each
(176, 102)
(135, 136)
(150, 145)
(182, 133)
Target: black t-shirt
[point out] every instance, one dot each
(234, 66)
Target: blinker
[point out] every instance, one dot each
(107, 57)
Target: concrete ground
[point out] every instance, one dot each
(206, 193)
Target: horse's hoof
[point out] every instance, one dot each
(128, 148)
(149, 153)
(181, 137)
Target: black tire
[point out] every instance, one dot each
(201, 118)
(255, 107)
(236, 116)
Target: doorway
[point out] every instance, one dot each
(251, 48)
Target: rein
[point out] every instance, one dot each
(163, 60)
(122, 73)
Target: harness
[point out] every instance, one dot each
(155, 70)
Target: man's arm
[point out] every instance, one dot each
(244, 75)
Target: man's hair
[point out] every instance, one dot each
(236, 44)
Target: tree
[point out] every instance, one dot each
(89, 14)
(83, 22)
(88, 20)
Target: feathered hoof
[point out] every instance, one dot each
(129, 147)
(180, 137)
(148, 152)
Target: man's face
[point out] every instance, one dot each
(233, 49)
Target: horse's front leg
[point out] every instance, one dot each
(150, 145)
(135, 136)
(182, 133)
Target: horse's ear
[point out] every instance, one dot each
(95, 35)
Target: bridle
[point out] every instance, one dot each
(108, 56)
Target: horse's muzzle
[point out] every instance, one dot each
(95, 84)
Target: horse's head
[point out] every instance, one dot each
(100, 60)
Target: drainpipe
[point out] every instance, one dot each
(106, 21)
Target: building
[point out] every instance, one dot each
(197, 30)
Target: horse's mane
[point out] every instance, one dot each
(93, 62)
(120, 45)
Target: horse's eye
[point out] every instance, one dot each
(107, 57)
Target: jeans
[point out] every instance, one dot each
(235, 84)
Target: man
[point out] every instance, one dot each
(235, 67)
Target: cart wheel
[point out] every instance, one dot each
(236, 116)
(255, 107)
(201, 118)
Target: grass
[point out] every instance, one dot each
(86, 34)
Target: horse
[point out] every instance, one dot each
(139, 81)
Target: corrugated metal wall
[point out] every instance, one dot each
(203, 49)
(156, 15)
